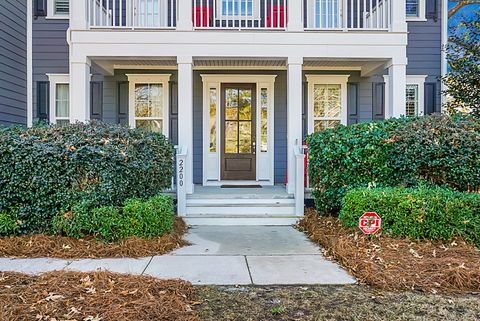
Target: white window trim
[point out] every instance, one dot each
(255, 12)
(411, 80)
(421, 12)
(313, 80)
(149, 79)
(262, 158)
(54, 80)
(51, 12)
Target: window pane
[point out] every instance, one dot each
(62, 7)
(237, 7)
(264, 120)
(245, 137)
(327, 101)
(412, 8)
(245, 97)
(62, 100)
(324, 124)
(150, 125)
(412, 101)
(231, 137)
(148, 100)
(319, 100)
(213, 120)
(322, 20)
(334, 101)
(231, 102)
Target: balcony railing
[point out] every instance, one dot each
(134, 14)
(241, 14)
(348, 15)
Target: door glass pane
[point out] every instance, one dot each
(245, 96)
(231, 102)
(231, 137)
(245, 137)
(150, 125)
(213, 120)
(264, 120)
(62, 100)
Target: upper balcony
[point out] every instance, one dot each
(261, 15)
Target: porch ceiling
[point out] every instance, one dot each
(267, 63)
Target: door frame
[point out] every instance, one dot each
(211, 169)
(221, 109)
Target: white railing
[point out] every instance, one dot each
(240, 14)
(152, 14)
(299, 179)
(182, 154)
(348, 15)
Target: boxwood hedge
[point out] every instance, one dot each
(417, 213)
(438, 150)
(46, 170)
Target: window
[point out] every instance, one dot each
(326, 14)
(59, 98)
(264, 120)
(415, 10)
(412, 101)
(237, 8)
(58, 9)
(213, 120)
(327, 101)
(148, 107)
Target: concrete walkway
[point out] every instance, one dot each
(221, 255)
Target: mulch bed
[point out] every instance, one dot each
(397, 264)
(100, 296)
(33, 246)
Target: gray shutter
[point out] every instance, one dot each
(378, 101)
(43, 100)
(96, 100)
(352, 103)
(431, 9)
(431, 98)
(173, 131)
(122, 110)
(40, 8)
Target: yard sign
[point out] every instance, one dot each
(370, 223)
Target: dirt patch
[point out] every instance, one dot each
(32, 246)
(394, 264)
(337, 303)
(101, 296)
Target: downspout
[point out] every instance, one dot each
(444, 46)
(29, 63)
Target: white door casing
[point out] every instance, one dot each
(212, 159)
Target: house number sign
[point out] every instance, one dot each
(181, 172)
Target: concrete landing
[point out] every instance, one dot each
(219, 255)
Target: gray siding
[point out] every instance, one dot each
(425, 47)
(50, 51)
(13, 62)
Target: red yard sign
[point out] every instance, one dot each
(370, 223)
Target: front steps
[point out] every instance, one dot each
(216, 206)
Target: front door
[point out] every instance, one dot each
(238, 159)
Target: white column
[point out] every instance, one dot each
(295, 16)
(294, 116)
(399, 16)
(80, 91)
(184, 14)
(78, 15)
(397, 85)
(185, 115)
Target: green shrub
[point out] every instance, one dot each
(417, 213)
(46, 170)
(141, 218)
(8, 223)
(436, 150)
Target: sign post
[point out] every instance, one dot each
(370, 223)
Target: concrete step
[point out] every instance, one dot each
(240, 202)
(245, 220)
(241, 210)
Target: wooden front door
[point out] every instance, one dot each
(238, 159)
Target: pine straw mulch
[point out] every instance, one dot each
(99, 296)
(397, 264)
(40, 245)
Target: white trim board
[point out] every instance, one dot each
(162, 79)
(313, 80)
(211, 173)
(54, 80)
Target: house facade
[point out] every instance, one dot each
(236, 85)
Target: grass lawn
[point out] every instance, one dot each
(355, 302)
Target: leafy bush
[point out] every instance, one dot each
(417, 213)
(8, 223)
(437, 150)
(47, 170)
(145, 219)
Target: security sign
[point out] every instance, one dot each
(370, 223)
